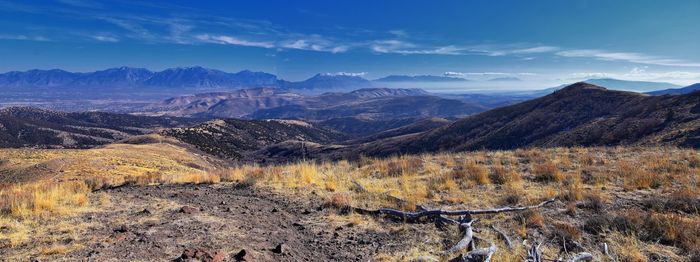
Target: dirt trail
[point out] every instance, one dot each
(146, 223)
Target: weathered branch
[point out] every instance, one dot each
(533, 254)
(503, 237)
(478, 255)
(414, 216)
(584, 256)
(441, 219)
(466, 227)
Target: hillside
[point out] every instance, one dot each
(418, 126)
(236, 103)
(232, 138)
(677, 91)
(578, 115)
(380, 108)
(31, 127)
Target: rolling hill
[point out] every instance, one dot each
(578, 115)
(32, 127)
(233, 138)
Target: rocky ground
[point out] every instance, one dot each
(223, 222)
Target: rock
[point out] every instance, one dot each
(424, 259)
(201, 254)
(241, 255)
(280, 249)
(119, 237)
(145, 212)
(122, 229)
(188, 210)
(274, 209)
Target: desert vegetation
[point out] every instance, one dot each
(640, 203)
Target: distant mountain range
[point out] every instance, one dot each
(127, 77)
(199, 78)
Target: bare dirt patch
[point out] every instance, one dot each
(149, 223)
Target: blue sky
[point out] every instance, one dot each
(541, 42)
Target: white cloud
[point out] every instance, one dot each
(105, 38)
(359, 74)
(535, 50)
(407, 48)
(626, 57)
(230, 40)
(641, 74)
(314, 43)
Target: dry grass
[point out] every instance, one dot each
(589, 182)
(41, 186)
(582, 178)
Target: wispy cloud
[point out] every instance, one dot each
(464, 74)
(230, 40)
(359, 74)
(105, 38)
(626, 57)
(640, 73)
(314, 43)
(25, 37)
(394, 46)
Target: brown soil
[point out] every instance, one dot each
(146, 223)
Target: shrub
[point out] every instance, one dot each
(546, 172)
(477, 173)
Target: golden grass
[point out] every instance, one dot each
(587, 177)
(37, 185)
(576, 176)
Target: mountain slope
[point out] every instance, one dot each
(578, 115)
(418, 126)
(37, 78)
(329, 82)
(232, 138)
(236, 103)
(626, 85)
(677, 91)
(31, 127)
(381, 108)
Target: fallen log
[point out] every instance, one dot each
(415, 216)
(584, 256)
(478, 255)
(466, 240)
